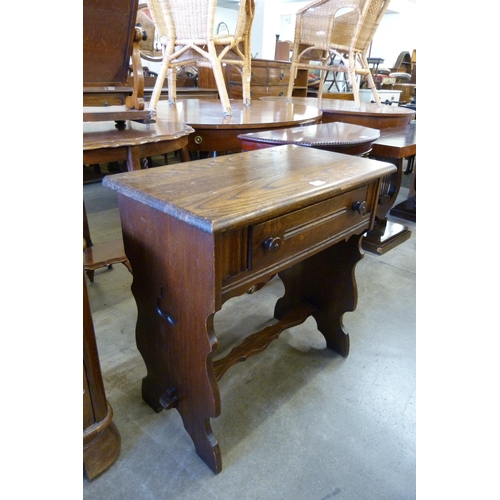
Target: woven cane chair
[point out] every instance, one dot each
(333, 30)
(186, 29)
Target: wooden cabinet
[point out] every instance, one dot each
(269, 78)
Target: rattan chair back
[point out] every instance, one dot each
(187, 33)
(342, 29)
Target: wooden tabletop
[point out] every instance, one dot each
(397, 142)
(317, 135)
(368, 114)
(207, 114)
(344, 106)
(227, 192)
(105, 134)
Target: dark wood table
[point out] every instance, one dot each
(215, 132)
(394, 145)
(397, 142)
(390, 144)
(200, 233)
(133, 143)
(105, 141)
(368, 115)
(335, 136)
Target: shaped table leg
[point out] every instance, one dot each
(326, 281)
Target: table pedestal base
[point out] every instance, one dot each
(406, 209)
(385, 237)
(102, 451)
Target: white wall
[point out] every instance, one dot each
(397, 32)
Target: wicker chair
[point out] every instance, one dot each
(332, 30)
(186, 29)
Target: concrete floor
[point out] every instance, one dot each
(298, 422)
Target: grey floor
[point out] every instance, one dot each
(298, 422)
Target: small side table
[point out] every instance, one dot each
(104, 142)
(218, 228)
(394, 145)
(336, 136)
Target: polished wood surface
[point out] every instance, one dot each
(335, 136)
(217, 132)
(368, 115)
(397, 142)
(104, 142)
(394, 145)
(202, 232)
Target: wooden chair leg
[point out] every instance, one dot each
(219, 79)
(155, 97)
(293, 75)
(246, 76)
(172, 85)
(371, 83)
(352, 77)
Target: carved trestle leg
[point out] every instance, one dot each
(182, 382)
(326, 281)
(174, 330)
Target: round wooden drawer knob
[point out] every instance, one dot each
(273, 244)
(360, 207)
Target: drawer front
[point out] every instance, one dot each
(256, 91)
(310, 229)
(259, 76)
(279, 76)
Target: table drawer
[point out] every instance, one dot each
(310, 229)
(258, 76)
(279, 75)
(256, 91)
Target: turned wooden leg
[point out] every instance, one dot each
(326, 281)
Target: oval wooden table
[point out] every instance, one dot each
(215, 132)
(368, 115)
